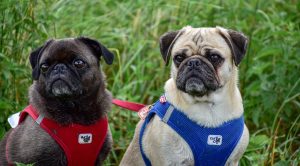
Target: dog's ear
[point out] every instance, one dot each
(239, 45)
(98, 49)
(237, 42)
(166, 43)
(34, 59)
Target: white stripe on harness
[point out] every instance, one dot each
(39, 119)
(168, 114)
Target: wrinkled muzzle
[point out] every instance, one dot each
(197, 77)
(63, 83)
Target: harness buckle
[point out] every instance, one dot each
(144, 112)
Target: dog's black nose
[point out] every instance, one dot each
(60, 67)
(194, 63)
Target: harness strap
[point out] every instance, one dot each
(145, 158)
(164, 117)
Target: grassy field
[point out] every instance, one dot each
(269, 74)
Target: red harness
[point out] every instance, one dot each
(81, 144)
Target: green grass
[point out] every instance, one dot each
(269, 74)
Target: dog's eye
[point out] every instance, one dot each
(44, 67)
(79, 63)
(214, 57)
(179, 58)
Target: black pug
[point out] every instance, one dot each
(66, 121)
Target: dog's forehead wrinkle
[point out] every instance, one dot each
(67, 48)
(189, 47)
(197, 39)
(62, 46)
(184, 50)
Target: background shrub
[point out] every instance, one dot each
(269, 74)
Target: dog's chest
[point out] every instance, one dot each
(165, 146)
(36, 146)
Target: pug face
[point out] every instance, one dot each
(68, 68)
(203, 59)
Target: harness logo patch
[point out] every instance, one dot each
(85, 138)
(214, 140)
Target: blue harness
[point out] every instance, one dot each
(210, 146)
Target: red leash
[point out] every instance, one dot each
(128, 105)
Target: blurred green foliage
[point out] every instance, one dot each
(269, 74)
